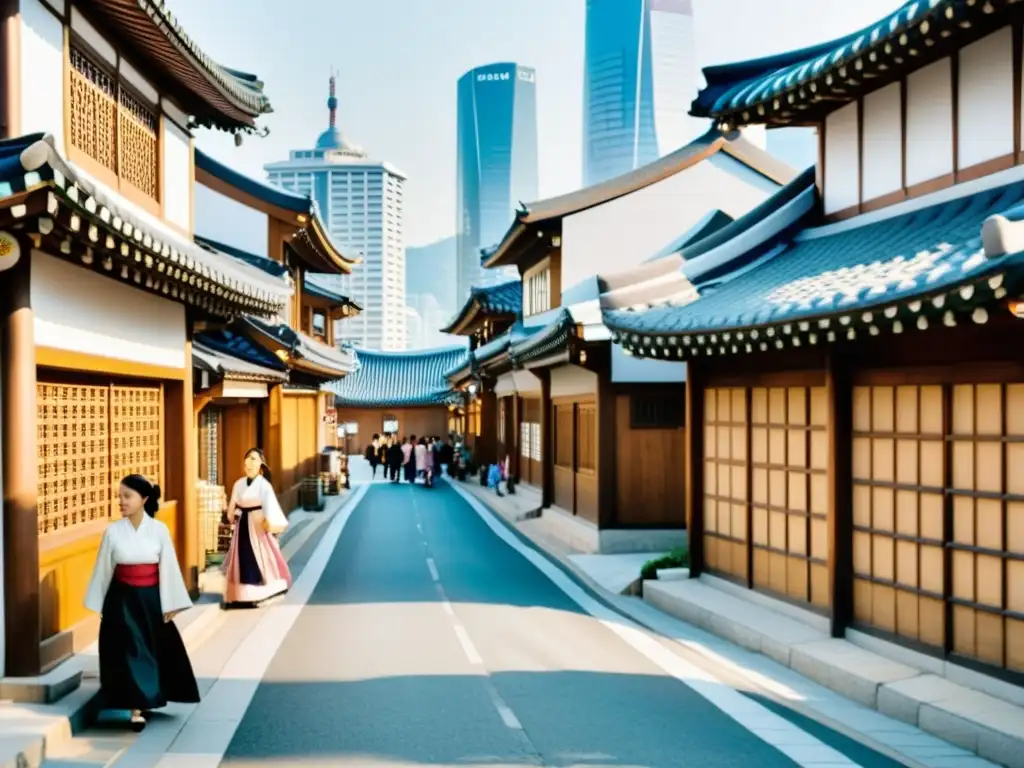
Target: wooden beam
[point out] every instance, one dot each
(839, 395)
(22, 622)
(547, 443)
(606, 444)
(693, 470)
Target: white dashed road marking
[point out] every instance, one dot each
(433, 569)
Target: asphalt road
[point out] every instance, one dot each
(430, 641)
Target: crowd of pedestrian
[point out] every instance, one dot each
(410, 458)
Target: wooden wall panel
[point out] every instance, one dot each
(239, 435)
(650, 487)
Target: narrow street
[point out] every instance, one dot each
(430, 640)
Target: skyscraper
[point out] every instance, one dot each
(497, 162)
(361, 200)
(640, 75)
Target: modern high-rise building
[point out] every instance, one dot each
(497, 163)
(361, 200)
(639, 78)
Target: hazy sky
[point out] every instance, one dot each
(398, 62)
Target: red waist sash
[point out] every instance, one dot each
(140, 575)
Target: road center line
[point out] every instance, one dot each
(467, 645)
(433, 569)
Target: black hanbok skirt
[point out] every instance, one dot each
(143, 661)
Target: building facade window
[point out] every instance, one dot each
(112, 127)
(537, 292)
(91, 436)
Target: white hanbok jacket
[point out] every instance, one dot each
(124, 544)
(259, 493)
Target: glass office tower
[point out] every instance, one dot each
(640, 76)
(496, 163)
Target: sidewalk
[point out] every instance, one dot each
(917, 717)
(29, 733)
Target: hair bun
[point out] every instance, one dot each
(152, 504)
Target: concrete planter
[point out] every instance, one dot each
(673, 574)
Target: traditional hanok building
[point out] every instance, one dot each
(102, 290)
(488, 313)
(399, 393)
(599, 434)
(855, 388)
(281, 233)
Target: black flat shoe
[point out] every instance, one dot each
(138, 723)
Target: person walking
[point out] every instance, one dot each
(255, 568)
(396, 457)
(429, 454)
(137, 588)
(420, 452)
(409, 462)
(373, 455)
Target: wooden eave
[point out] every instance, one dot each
(162, 52)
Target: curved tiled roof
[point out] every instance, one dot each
(232, 98)
(400, 379)
(779, 88)
(705, 147)
(490, 300)
(881, 272)
(164, 260)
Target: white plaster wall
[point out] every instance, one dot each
(929, 122)
(227, 221)
(78, 310)
(569, 380)
(177, 181)
(882, 142)
(42, 71)
(249, 389)
(985, 99)
(517, 382)
(624, 232)
(628, 369)
(842, 159)
(92, 36)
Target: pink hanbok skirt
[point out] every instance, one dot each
(255, 569)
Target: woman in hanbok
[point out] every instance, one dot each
(137, 588)
(255, 568)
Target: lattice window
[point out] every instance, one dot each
(112, 126)
(524, 439)
(209, 444)
(136, 433)
(939, 517)
(660, 411)
(789, 491)
(73, 455)
(535, 450)
(898, 498)
(726, 492)
(93, 110)
(987, 527)
(139, 130)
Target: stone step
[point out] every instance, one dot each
(99, 752)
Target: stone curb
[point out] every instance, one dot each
(981, 723)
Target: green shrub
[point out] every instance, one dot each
(677, 558)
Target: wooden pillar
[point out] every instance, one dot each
(694, 469)
(487, 442)
(181, 468)
(839, 394)
(22, 631)
(607, 468)
(547, 442)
